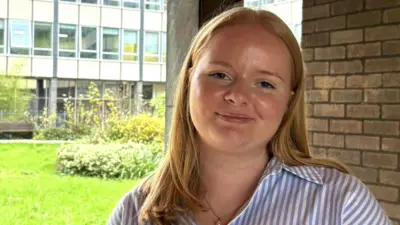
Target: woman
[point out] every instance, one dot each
(238, 151)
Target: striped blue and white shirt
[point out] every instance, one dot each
(289, 195)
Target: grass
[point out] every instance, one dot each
(32, 193)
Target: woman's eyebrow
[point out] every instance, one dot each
(269, 73)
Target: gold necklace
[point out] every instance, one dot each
(212, 210)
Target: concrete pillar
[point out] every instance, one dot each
(138, 97)
(182, 25)
(53, 96)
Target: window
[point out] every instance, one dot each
(42, 39)
(147, 91)
(130, 45)
(153, 4)
(67, 38)
(88, 48)
(268, 1)
(20, 38)
(2, 36)
(164, 46)
(68, 0)
(131, 3)
(165, 5)
(89, 1)
(151, 48)
(110, 43)
(297, 32)
(111, 2)
(253, 3)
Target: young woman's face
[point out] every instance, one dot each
(240, 88)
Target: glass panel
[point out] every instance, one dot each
(19, 51)
(111, 2)
(1, 33)
(67, 54)
(89, 1)
(153, 4)
(130, 44)
(82, 87)
(110, 42)
(147, 92)
(89, 38)
(68, 0)
(65, 89)
(67, 37)
(131, 3)
(108, 56)
(42, 52)
(89, 55)
(151, 47)
(20, 34)
(130, 58)
(42, 35)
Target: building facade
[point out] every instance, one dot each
(60, 46)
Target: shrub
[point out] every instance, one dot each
(109, 161)
(55, 133)
(139, 129)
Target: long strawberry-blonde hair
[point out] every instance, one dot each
(174, 187)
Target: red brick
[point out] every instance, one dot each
(314, 40)
(308, 54)
(391, 80)
(345, 126)
(364, 19)
(363, 111)
(347, 6)
(391, 47)
(317, 124)
(343, 96)
(308, 3)
(364, 81)
(391, 15)
(381, 127)
(363, 50)
(362, 142)
(387, 32)
(329, 82)
(380, 160)
(382, 95)
(391, 144)
(331, 23)
(344, 67)
(365, 174)
(338, 52)
(391, 112)
(384, 193)
(329, 140)
(374, 4)
(392, 210)
(345, 156)
(308, 27)
(390, 177)
(313, 68)
(347, 36)
(382, 65)
(329, 110)
(317, 95)
(315, 12)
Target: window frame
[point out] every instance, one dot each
(163, 36)
(81, 50)
(86, 3)
(50, 50)
(119, 45)
(59, 50)
(158, 47)
(10, 39)
(123, 43)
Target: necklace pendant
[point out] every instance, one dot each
(218, 222)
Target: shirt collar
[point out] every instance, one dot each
(308, 173)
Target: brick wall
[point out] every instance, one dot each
(352, 53)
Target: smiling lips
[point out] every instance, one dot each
(235, 118)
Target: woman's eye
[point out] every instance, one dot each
(220, 76)
(265, 84)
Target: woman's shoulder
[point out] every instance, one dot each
(127, 209)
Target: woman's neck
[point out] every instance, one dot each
(229, 179)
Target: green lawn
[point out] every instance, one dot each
(32, 193)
